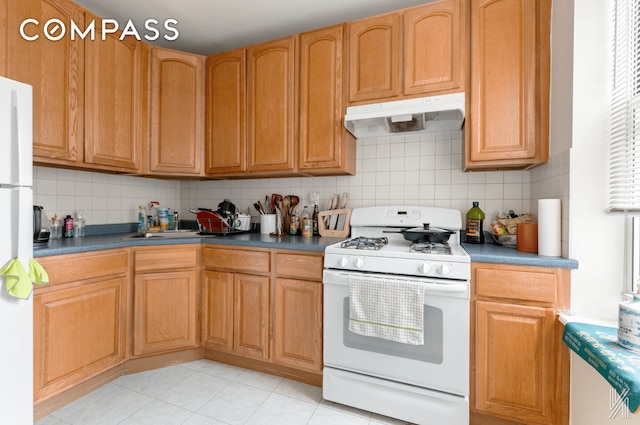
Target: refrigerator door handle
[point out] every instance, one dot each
(15, 134)
(21, 135)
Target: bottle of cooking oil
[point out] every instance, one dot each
(475, 221)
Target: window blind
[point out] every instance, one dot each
(624, 158)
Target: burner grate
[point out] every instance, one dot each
(431, 248)
(365, 243)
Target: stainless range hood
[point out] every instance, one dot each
(420, 115)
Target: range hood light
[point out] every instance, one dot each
(402, 118)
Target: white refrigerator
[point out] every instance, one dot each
(16, 241)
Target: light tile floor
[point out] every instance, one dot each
(204, 392)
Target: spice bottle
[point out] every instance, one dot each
(306, 223)
(315, 219)
(293, 226)
(68, 227)
(475, 222)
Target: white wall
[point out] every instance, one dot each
(596, 239)
(399, 170)
(107, 198)
(403, 170)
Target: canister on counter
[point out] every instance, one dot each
(307, 227)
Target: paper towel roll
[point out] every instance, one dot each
(549, 230)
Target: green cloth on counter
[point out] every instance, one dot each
(598, 346)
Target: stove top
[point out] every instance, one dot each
(375, 248)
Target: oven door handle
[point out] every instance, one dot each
(439, 287)
(333, 277)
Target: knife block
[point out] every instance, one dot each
(336, 217)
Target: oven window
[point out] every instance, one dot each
(430, 352)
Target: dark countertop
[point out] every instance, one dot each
(490, 252)
(124, 240)
(119, 236)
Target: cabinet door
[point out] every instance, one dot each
(374, 62)
(226, 113)
(509, 106)
(177, 113)
(217, 310)
(165, 312)
(78, 332)
(271, 73)
(298, 324)
(325, 145)
(116, 98)
(55, 69)
(433, 47)
(515, 361)
(251, 316)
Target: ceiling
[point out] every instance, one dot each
(213, 26)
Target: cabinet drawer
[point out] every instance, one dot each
(299, 265)
(166, 258)
(237, 259)
(85, 266)
(522, 283)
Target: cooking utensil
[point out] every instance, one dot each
(295, 200)
(226, 208)
(424, 234)
(330, 206)
(334, 218)
(258, 208)
(342, 218)
(262, 208)
(275, 198)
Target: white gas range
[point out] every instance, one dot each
(424, 383)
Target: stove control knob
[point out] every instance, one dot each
(359, 263)
(444, 269)
(425, 268)
(343, 262)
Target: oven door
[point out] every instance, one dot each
(442, 363)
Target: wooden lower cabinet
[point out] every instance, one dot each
(517, 353)
(235, 305)
(79, 319)
(297, 307)
(298, 324)
(264, 306)
(165, 299)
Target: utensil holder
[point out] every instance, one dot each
(323, 230)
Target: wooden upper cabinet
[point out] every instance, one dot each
(409, 53)
(271, 126)
(226, 143)
(326, 147)
(508, 124)
(115, 101)
(434, 47)
(177, 113)
(55, 69)
(374, 62)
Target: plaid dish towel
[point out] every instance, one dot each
(387, 308)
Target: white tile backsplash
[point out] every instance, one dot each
(400, 170)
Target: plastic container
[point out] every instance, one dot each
(475, 223)
(79, 225)
(163, 218)
(142, 220)
(68, 227)
(629, 322)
